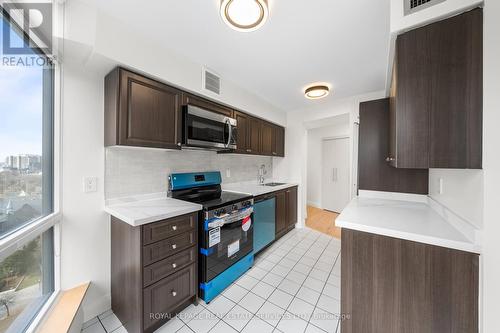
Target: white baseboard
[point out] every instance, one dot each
(314, 204)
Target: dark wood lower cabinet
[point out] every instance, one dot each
(280, 212)
(286, 211)
(153, 271)
(395, 286)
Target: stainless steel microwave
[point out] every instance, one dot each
(206, 129)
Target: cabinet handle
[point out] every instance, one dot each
(274, 153)
(174, 227)
(174, 246)
(174, 265)
(249, 150)
(390, 159)
(174, 293)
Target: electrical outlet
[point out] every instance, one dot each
(89, 184)
(228, 173)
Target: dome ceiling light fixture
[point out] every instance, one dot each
(244, 15)
(317, 91)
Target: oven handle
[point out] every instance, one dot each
(232, 218)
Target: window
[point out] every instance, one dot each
(27, 278)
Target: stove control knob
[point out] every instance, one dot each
(235, 207)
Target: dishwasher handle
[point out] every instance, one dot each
(264, 198)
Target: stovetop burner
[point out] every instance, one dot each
(205, 189)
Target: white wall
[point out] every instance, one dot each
(93, 44)
(315, 138)
(399, 22)
(85, 229)
(462, 192)
(491, 165)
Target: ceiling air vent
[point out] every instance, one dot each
(211, 81)
(412, 6)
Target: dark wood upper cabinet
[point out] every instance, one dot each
(140, 111)
(242, 134)
(267, 141)
(456, 80)
(254, 136)
(143, 112)
(278, 141)
(206, 104)
(410, 96)
(374, 172)
(436, 95)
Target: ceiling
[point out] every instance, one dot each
(341, 42)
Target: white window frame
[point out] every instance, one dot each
(17, 239)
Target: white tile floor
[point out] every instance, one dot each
(294, 286)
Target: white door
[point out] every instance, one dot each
(335, 177)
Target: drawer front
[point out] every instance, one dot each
(165, 267)
(158, 231)
(165, 248)
(165, 296)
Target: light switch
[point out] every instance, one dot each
(90, 184)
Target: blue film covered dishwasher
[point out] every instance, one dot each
(264, 225)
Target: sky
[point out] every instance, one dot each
(20, 107)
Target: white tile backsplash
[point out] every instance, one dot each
(132, 171)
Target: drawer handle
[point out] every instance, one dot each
(174, 246)
(249, 150)
(174, 227)
(174, 293)
(174, 265)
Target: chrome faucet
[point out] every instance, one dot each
(262, 173)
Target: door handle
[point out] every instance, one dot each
(335, 175)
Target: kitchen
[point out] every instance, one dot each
(188, 149)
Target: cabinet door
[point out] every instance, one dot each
(206, 104)
(149, 112)
(242, 134)
(410, 123)
(278, 141)
(291, 207)
(167, 295)
(281, 215)
(456, 81)
(254, 136)
(267, 139)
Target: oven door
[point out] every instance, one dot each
(225, 245)
(203, 128)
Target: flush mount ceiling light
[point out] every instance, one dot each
(244, 15)
(317, 92)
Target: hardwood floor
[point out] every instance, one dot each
(322, 221)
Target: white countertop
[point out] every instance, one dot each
(410, 220)
(143, 209)
(254, 188)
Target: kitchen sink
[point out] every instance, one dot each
(273, 184)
